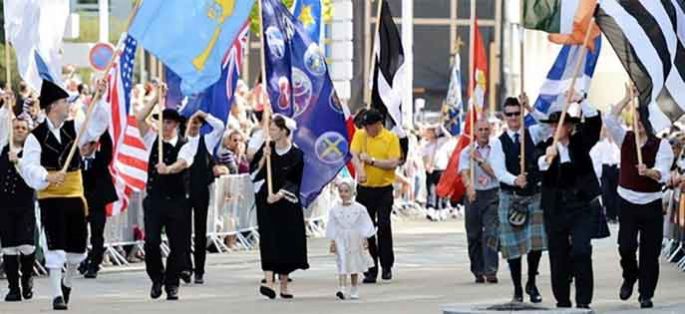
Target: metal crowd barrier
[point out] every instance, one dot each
(232, 212)
(673, 248)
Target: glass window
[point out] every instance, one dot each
(432, 8)
(485, 9)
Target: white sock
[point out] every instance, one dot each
(56, 282)
(72, 269)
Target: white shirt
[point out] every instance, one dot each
(438, 151)
(4, 126)
(607, 152)
(212, 138)
(662, 163)
(255, 142)
(562, 151)
(483, 180)
(186, 153)
(33, 172)
(498, 160)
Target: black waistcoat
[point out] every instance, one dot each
(13, 190)
(53, 153)
(201, 174)
(170, 185)
(97, 180)
(512, 161)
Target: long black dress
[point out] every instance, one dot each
(283, 241)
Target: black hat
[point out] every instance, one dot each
(554, 117)
(170, 114)
(372, 116)
(50, 93)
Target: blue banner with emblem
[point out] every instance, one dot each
(299, 86)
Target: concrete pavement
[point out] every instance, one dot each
(431, 271)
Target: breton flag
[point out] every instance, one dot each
(565, 20)
(129, 161)
(388, 72)
(559, 78)
(647, 37)
(453, 112)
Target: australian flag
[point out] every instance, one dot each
(300, 87)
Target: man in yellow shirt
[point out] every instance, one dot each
(376, 153)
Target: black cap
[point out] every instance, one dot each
(372, 116)
(171, 114)
(50, 93)
(556, 116)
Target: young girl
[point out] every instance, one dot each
(349, 227)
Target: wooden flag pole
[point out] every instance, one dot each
(160, 123)
(266, 117)
(379, 10)
(474, 109)
(8, 66)
(522, 141)
(633, 109)
(572, 88)
(97, 95)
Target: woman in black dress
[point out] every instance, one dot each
(283, 242)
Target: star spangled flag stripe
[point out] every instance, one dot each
(129, 163)
(299, 84)
(647, 37)
(560, 75)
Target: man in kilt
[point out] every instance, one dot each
(521, 221)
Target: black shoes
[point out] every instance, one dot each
(626, 289)
(267, 292)
(286, 296)
(58, 304)
(156, 290)
(172, 293)
(646, 303)
(518, 295)
(369, 279)
(199, 279)
(491, 279)
(13, 296)
(480, 279)
(583, 306)
(340, 295)
(387, 274)
(534, 293)
(27, 287)
(66, 293)
(91, 273)
(185, 276)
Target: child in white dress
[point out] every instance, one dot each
(349, 227)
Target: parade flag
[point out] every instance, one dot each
(35, 29)
(310, 15)
(647, 37)
(388, 72)
(453, 111)
(190, 37)
(217, 100)
(560, 76)
(129, 156)
(299, 82)
(450, 184)
(479, 77)
(565, 20)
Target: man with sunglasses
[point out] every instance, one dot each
(521, 221)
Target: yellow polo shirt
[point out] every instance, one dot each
(386, 145)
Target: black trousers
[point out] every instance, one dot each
(171, 215)
(432, 199)
(481, 232)
(609, 195)
(378, 202)
(569, 231)
(97, 218)
(199, 205)
(647, 222)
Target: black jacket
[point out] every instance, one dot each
(97, 180)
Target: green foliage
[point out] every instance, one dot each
(254, 15)
(89, 30)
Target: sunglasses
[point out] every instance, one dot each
(512, 114)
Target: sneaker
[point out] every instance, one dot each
(354, 293)
(340, 294)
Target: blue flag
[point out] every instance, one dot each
(299, 86)
(310, 15)
(190, 37)
(560, 75)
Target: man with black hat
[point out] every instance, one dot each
(201, 176)
(639, 191)
(166, 205)
(570, 197)
(60, 194)
(100, 192)
(17, 215)
(376, 153)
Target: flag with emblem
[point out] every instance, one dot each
(130, 160)
(565, 20)
(299, 86)
(310, 14)
(452, 111)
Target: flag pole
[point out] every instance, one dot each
(633, 109)
(160, 121)
(572, 88)
(266, 117)
(474, 109)
(97, 95)
(379, 10)
(523, 109)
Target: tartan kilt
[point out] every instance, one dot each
(515, 242)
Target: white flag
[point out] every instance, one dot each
(35, 29)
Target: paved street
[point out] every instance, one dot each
(432, 270)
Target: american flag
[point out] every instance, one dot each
(129, 162)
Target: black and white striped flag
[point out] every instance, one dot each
(388, 71)
(648, 37)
